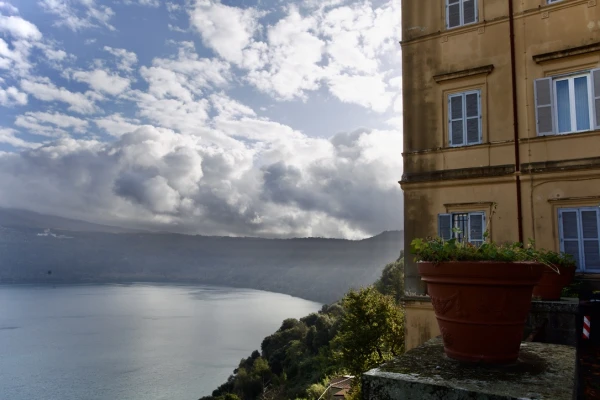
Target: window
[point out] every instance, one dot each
(460, 12)
(468, 226)
(579, 235)
(568, 104)
(464, 118)
(553, 1)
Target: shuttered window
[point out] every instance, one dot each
(460, 12)
(469, 226)
(567, 104)
(579, 233)
(464, 118)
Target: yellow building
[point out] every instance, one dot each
(501, 129)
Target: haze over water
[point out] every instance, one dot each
(131, 341)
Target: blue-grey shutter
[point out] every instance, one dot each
(469, 11)
(473, 117)
(568, 224)
(476, 227)
(453, 13)
(445, 226)
(596, 93)
(544, 106)
(591, 243)
(456, 120)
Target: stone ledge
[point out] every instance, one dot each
(543, 371)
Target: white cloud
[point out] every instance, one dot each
(12, 96)
(369, 91)
(78, 15)
(117, 125)
(45, 90)
(7, 135)
(56, 119)
(19, 28)
(8, 7)
(102, 81)
(127, 59)
(159, 179)
(227, 30)
(148, 3)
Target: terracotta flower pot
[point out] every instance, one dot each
(481, 307)
(551, 284)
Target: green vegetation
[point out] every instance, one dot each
(359, 332)
(439, 250)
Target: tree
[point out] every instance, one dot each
(391, 280)
(371, 331)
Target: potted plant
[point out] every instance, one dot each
(481, 295)
(554, 280)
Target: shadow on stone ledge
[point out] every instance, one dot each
(543, 371)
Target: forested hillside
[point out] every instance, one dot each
(298, 361)
(313, 268)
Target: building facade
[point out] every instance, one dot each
(501, 130)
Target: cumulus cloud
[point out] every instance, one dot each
(102, 81)
(9, 136)
(313, 45)
(50, 124)
(181, 146)
(78, 15)
(116, 124)
(12, 96)
(19, 28)
(126, 59)
(156, 178)
(227, 30)
(45, 90)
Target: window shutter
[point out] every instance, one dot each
(476, 227)
(569, 234)
(445, 226)
(591, 243)
(456, 121)
(473, 108)
(469, 11)
(544, 106)
(596, 94)
(453, 13)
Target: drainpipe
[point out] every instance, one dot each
(515, 118)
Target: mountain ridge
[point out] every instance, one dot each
(318, 269)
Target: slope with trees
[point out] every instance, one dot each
(359, 332)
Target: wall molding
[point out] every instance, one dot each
(484, 70)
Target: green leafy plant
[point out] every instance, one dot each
(438, 250)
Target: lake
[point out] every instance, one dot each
(137, 341)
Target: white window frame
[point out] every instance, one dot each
(462, 14)
(455, 224)
(464, 118)
(571, 82)
(581, 239)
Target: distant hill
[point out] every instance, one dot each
(313, 268)
(12, 218)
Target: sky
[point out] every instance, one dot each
(271, 118)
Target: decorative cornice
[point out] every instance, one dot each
(574, 51)
(560, 166)
(457, 174)
(486, 69)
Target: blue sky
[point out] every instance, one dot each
(262, 118)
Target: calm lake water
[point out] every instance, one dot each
(131, 341)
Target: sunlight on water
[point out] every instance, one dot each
(131, 341)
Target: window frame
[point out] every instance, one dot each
(454, 224)
(464, 117)
(580, 238)
(570, 78)
(462, 14)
